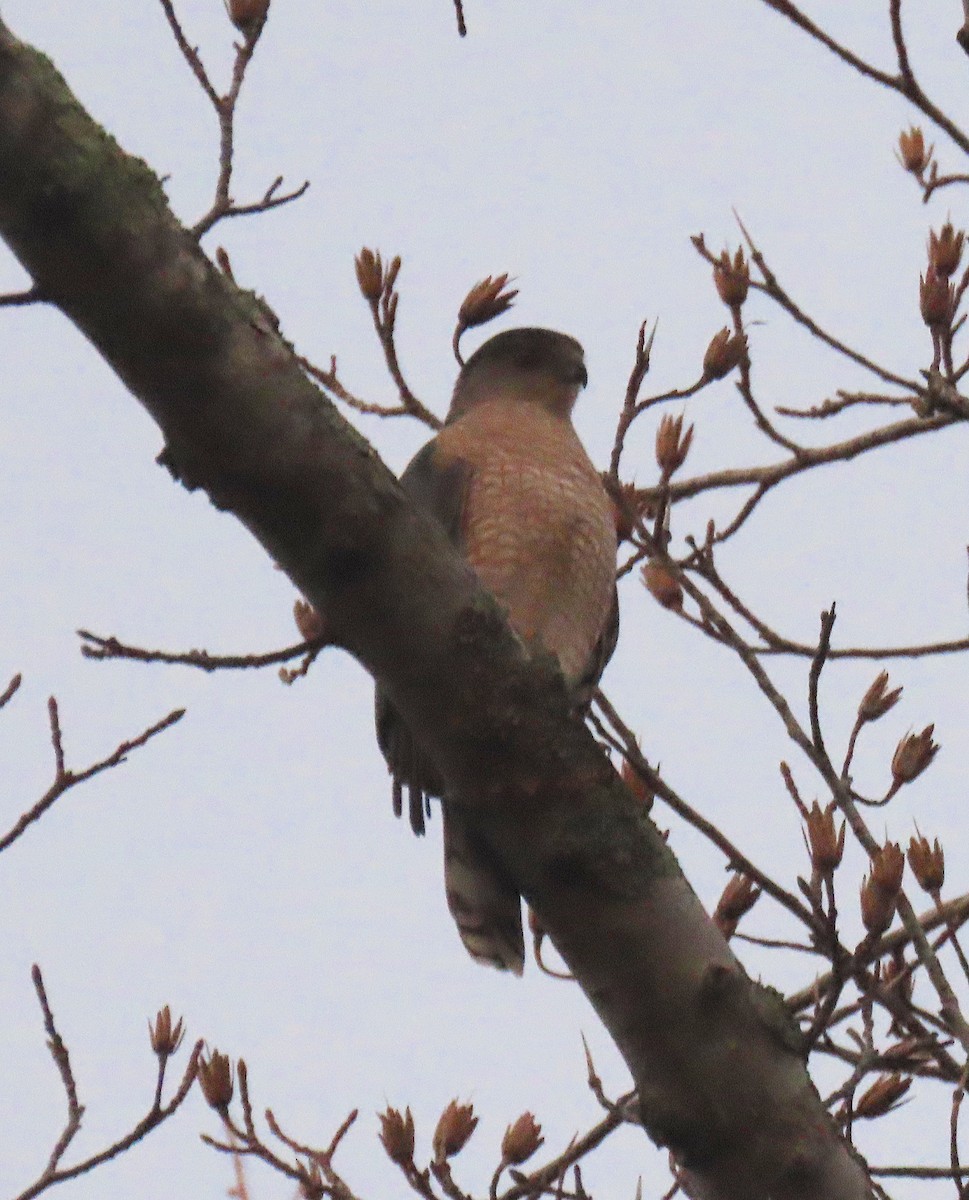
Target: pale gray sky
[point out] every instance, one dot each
(246, 868)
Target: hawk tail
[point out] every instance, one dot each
(486, 910)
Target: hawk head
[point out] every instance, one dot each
(537, 366)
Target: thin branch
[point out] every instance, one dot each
(65, 779)
(627, 414)
(310, 1165)
(701, 560)
(53, 1174)
(98, 647)
(957, 1098)
(794, 14)
(901, 50)
(62, 1060)
(769, 475)
(190, 55)
(956, 1022)
(771, 286)
(330, 380)
(746, 389)
(31, 295)
(10, 690)
(906, 85)
(940, 181)
(814, 678)
(384, 318)
(830, 408)
(737, 860)
(269, 201)
(225, 107)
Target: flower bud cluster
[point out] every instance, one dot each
(731, 277)
(912, 153)
(672, 444)
(880, 889)
(397, 1135)
(454, 1129)
(522, 1138)
(738, 898)
(928, 865)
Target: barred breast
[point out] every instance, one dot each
(538, 525)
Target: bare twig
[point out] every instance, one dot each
(65, 779)
(62, 1060)
(904, 82)
(332, 383)
(190, 55)
(830, 408)
(626, 743)
(769, 475)
(10, 690)
(901, 50)
(225, 106)
(814, 678)
(31, 295)
(940, 181)
(53, 1173)
(98, 647)
(957, 1098)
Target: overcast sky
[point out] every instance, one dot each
(245, 867)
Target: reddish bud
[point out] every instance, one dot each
(310, 624)
(878, 700)
(247, 15)
(638, 787)
(896, 975)
(454, 1127)
(397, 1135)
(732, 278)
(738, 898)
(725, 351)
(215, 1080)
(912, 153)
(912, 755)
(826, 844)
(663, 586)
(928, 864)
(937, 299)
(486, 300)
(887, 868)
(883, 1095)
(945, 249)
(165, 1037)
(879, 890)
(521, 1139)
(370, 274)
(672, 445)
(877, 909)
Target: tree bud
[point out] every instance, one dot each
(521, 1139)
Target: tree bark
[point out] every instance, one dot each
(714, 1056)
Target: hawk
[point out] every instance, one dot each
(510, 482)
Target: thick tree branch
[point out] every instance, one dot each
(719, 1075)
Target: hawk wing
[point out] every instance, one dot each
(440, 491)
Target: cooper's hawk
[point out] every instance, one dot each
(513, 487)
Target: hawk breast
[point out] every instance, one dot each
(537, 525)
